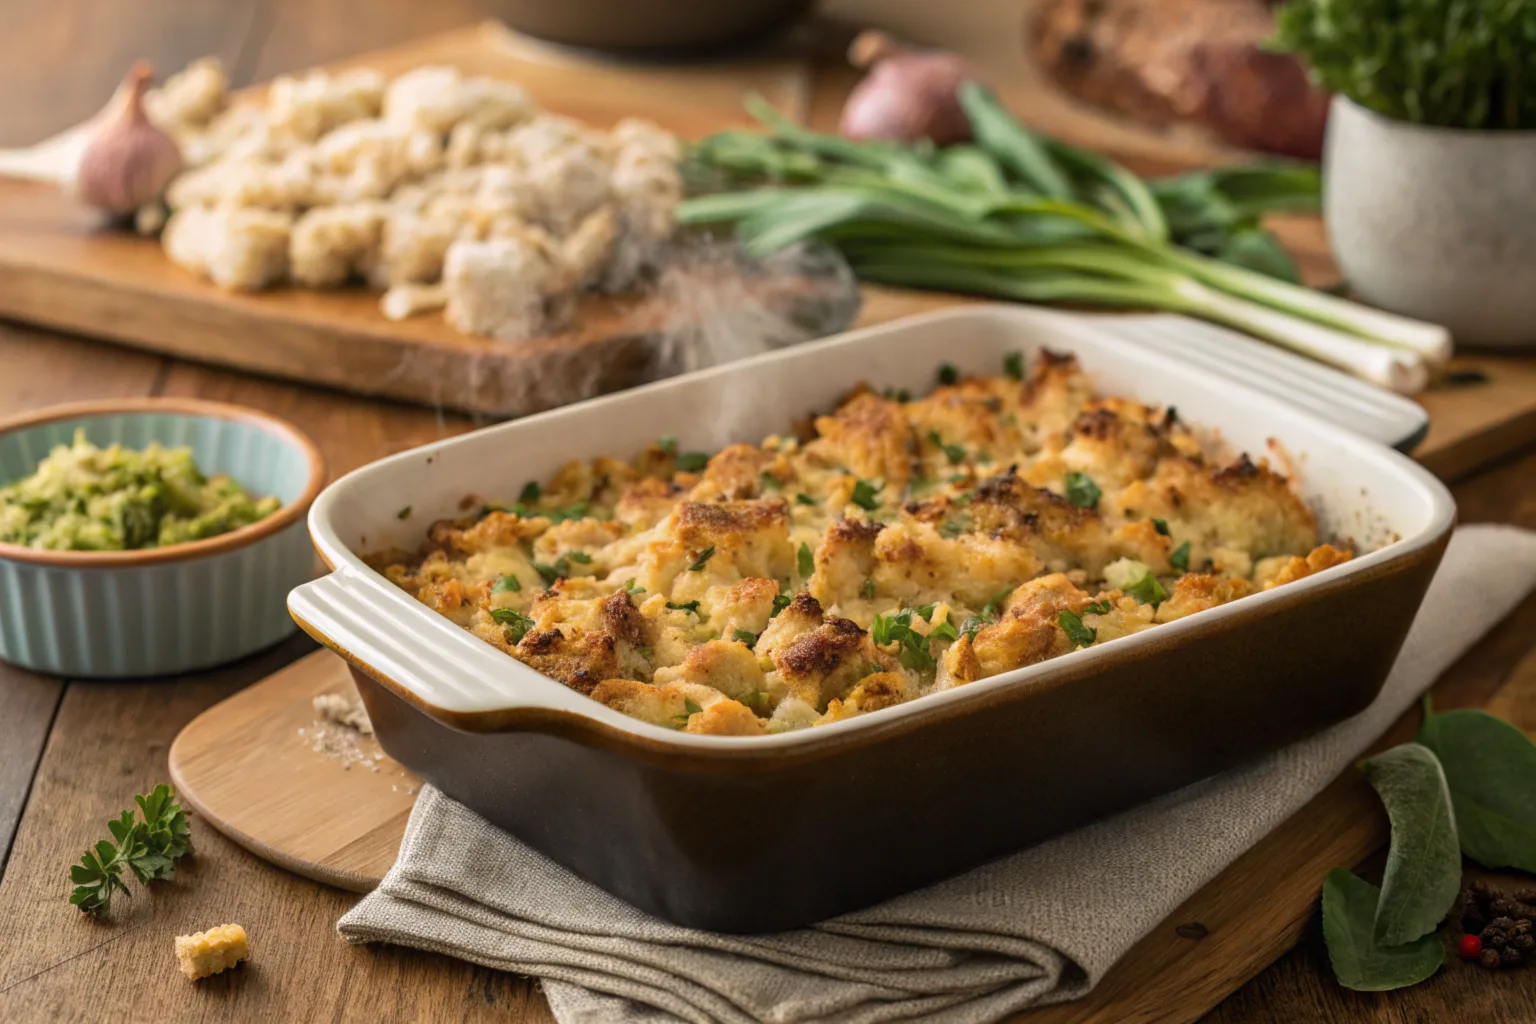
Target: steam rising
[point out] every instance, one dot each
(709, 305)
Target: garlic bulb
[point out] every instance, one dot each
(127, 161)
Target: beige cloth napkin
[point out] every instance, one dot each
(1040, 926)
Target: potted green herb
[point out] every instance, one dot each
(1430, 160)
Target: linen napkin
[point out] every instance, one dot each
(1042, 925)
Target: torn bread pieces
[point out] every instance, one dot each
(436, 188)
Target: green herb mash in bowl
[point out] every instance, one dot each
(144, 537)
(85, 498)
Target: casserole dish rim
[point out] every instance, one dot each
(540, 702)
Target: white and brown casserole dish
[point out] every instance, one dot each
(999, 591)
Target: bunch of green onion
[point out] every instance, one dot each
(1021, 217)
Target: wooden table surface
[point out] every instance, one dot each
(72, 753)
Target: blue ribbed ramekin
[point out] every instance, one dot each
(167, 610)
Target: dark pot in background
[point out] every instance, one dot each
(649, 26)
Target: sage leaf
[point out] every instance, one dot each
(1359, 962)
(1424, 861)
(1491, 768)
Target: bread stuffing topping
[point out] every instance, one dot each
(85, 498)
(904, 547)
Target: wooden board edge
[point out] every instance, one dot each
(187, 794)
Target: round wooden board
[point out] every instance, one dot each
(248, 767)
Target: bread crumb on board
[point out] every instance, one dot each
(333, 707)
(212, 951)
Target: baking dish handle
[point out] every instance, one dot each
(443, 666)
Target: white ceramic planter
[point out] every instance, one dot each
(1436, 223)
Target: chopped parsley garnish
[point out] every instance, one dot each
(404, 513)
(864, 495)
(692, 462)
(807, 561)
(897, 394)
(804, 499)
(704, 556)
(918, 484)
(1161, 526)
(948, 374)
(1098, 608)
(913, 652)
(668, 444)
(516, 623)
(531, 492)
(575, 510)
(781, 601)
(1082, 491)
(1072, 625)
(551, 573)
(958, 478)
(631, 589)
(973, 625)
(579, 557)
(1013, 365)
(943, 631)
(1148, 590)
(926, 611)
(990, 609)
(507, 585)
(1180, 557)
(867, 589)
(769, 481)
(953, 452)
(685, 606)
(742, 636)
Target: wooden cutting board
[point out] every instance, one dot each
(249, 768)
(63, 268)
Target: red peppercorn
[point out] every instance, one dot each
(1471, 946)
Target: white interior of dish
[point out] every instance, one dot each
(1362, 490)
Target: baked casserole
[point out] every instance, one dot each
(901, 547)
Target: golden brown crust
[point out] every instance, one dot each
(992, 524)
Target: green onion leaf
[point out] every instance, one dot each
(1161, 526)
(631, 589)
(692, 462)
(1013, 365)
(769, 482)
(742, 636)
(685, 606)
(531, 492)
(704, 556)
(804, 499)
(807, 561)
(508, 584)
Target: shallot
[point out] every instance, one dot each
(907, 95)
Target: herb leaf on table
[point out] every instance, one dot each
(1423, 871)
(149, 846)
(1490, 767)
(1350, 912)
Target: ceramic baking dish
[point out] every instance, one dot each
(765, 833)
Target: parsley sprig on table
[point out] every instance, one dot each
(149, 846)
